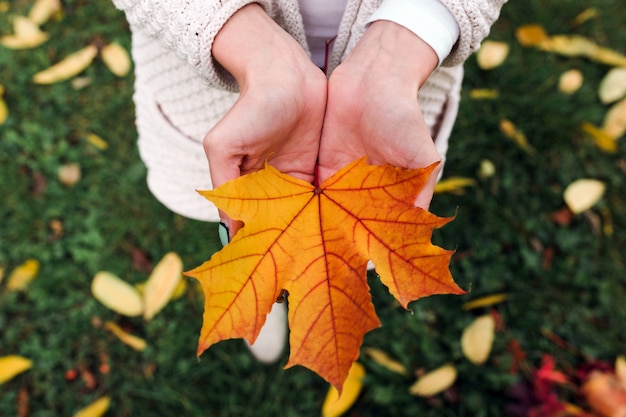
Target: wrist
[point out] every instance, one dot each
(251, 46)
(404, 54)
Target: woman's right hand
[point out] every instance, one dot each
(279, 114)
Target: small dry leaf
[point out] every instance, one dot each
(78, 83)
(128, 339)
(161, 284)
(477, 339)
(22, 276)
(96, 408)
(97, 142)
(454, 184)
(434, 381)
(585, 15)
(42, 10)
(613, 86)
(116, 59)
(601, 139)
(13, 365)
(511, 131)
(26, 34)
(384, 360)
(4, 111)
(70, 66)
(485, 301)
(483, 94)
(568, 45)
(487, 169)
(605, 395)
(576, 45)
(492, 54)
(116, 294)
(530, 35)
(570, 81)
(69, 174)
(337, 404)
(582, 194)
(615, 120)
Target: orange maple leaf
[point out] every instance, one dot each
(315, 242)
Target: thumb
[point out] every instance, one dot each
(223, 167)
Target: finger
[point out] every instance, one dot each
(223, 167)
(426, 194)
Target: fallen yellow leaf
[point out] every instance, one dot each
(434, 382)
(5, 6)
(477, 339)
(42, 10)
(453, 184)
(582, 194)
(79, 83)
(13, 365)
(486, 170)
(161, 284)
(4, 111)
(530, 35)
(26, 34)
(485, 301)
(483, 94)
(22, 276)
(570, 81)
(179, 291)
(512, 132)
(615, 120)
(69, 174)
(337, 404)
(601, 139)
(576, 45)
(492, 54)
(613, 86)
(97, 142)
(585, 15)
(96, 408)
(128, 339)
(70, 66)
(384, 360)
(116, 294)
(568, 45)
(116, 59)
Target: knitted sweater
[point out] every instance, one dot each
(181, 91)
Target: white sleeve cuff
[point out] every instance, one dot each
(429, 19)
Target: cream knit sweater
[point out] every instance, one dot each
(181, 92)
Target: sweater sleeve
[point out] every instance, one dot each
(189, 28)
(474, 18)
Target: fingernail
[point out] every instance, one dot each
(222, 230)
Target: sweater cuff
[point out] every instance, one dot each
(428, 19)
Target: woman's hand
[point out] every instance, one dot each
(278, 116)
(372, 107)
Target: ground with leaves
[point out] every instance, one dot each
(562, 275)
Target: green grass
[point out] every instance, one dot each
(502, 231)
